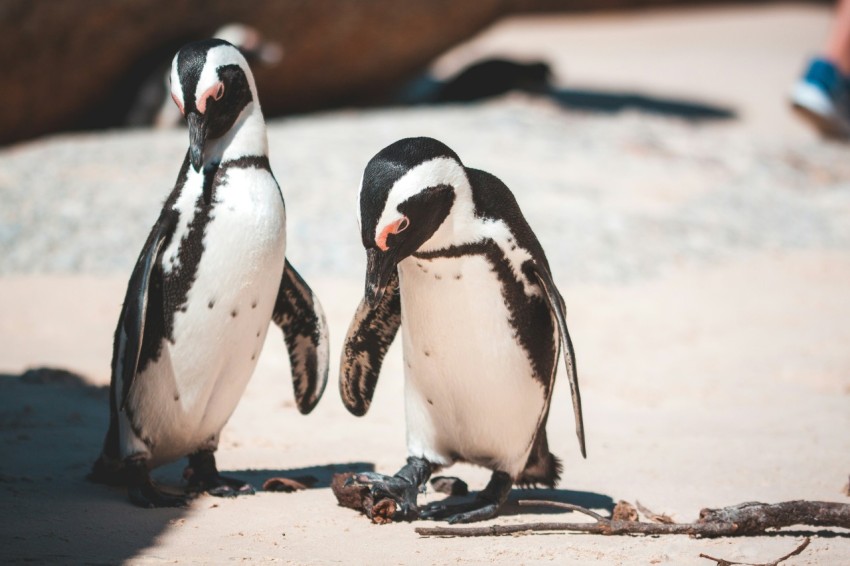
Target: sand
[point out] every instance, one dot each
(705, 267)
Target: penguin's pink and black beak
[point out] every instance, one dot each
(379, 266)
(197, 139)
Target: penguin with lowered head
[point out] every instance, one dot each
(452, 262)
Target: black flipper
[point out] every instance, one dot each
(559, 310)
(298, 313)
(371, 332)
(131, 325)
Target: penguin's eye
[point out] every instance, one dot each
(398, 226)
(220, 92)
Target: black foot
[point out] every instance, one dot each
(203, 476)
(470, 512)
(485, 506)
(403, 488)
(144, 492)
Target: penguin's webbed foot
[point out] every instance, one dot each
(202, 475)
(486, 504)
(144, 492)
(469, 512)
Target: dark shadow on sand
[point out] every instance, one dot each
(587, 499)
(51, 428)
(613, 102)
(495, 77)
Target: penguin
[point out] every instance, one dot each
(210, 278)
(452, 262)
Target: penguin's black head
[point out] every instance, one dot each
(407, 192)
(211, 84)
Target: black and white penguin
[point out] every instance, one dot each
(452, 261)
(211, 277)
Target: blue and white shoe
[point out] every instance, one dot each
(822, 97)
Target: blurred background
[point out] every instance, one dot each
(86, 65)
(697, 227)
(579, 105)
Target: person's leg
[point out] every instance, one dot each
(822, 95)
(837, 48)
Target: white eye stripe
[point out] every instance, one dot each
(217, 57)
(403, 224)
(437, 171)
(175, 86)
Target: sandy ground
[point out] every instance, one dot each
(705, 266)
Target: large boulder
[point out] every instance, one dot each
(77, 63)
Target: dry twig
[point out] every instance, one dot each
(795, 552)
(738, 520)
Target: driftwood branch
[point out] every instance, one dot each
(738, 520)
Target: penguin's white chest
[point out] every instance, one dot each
(470, 392)
(190, 392)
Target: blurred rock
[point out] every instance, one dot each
(78, 63)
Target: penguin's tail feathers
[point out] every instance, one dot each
(545, 470)
(108, 470)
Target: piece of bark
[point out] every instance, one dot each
(289, 485)
(354, 497)
(359, 498)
